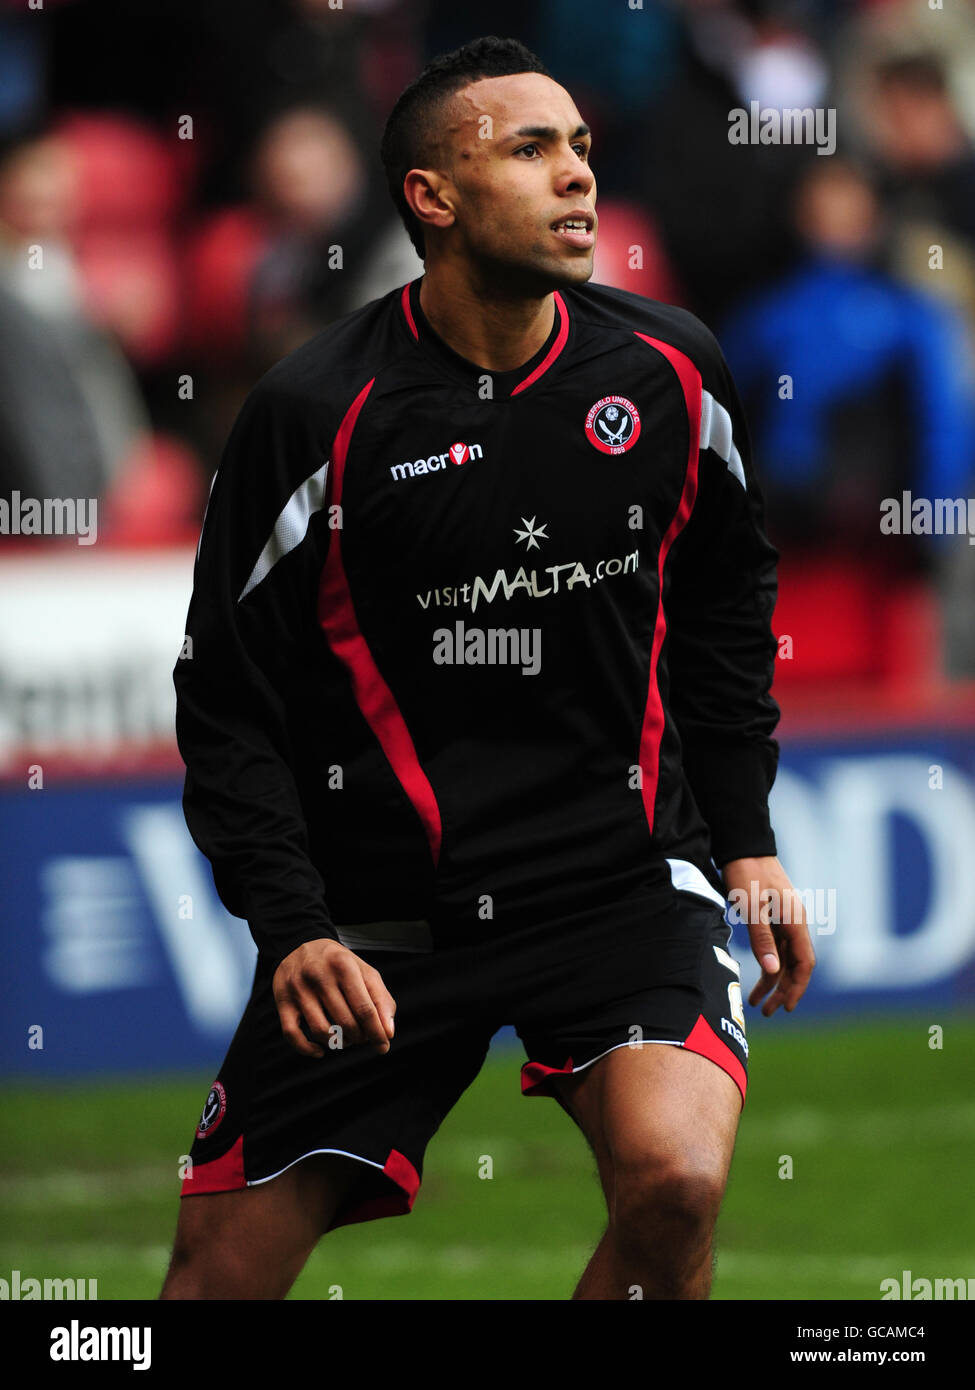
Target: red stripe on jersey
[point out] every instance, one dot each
(553, 351)
(703, 1040)
(224, 1174)
(653, 717)
(408, 311)
(338, 621)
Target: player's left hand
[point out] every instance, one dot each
(776, 920)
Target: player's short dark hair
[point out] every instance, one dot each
(410, 132)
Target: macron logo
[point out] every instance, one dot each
(457, 454)
(728, 1027)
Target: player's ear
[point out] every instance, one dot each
(430, 197)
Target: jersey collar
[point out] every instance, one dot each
(505, 384)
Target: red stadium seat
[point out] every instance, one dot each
(157, 498)
(630, 255)
(848, 622)
(129, 175)
(131, 185)
(220, 261)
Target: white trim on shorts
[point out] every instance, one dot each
(256, 1182)
(687, 878)
(668, 1042)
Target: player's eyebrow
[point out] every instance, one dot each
(547, 132)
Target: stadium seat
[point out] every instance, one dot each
(158, 497)
(131, 186)
(129, 175)
(849, 622)
(625, 228)
(220, 261)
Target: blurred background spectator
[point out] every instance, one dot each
(73, 435)
(858, 387)
(861, 386)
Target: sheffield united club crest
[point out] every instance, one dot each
(213, 1111)
(613, 425)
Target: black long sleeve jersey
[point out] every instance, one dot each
(469, 645)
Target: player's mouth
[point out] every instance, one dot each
(576, 228)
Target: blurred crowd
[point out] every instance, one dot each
(190, 190)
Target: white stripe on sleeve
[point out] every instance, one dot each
(716, 434)
(291, 526)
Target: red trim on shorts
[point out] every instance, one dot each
(534, 1075)
(703, 1040)
(224, 1174)
(399, 1170)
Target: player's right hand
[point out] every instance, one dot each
(338, 998)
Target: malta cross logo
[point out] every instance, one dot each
(613, 425)
(532, 534)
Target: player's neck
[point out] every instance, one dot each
(498, 334)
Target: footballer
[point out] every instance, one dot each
(430, 836)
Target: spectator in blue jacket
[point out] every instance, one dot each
(858, 386)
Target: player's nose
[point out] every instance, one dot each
(574, 175)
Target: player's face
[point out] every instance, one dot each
(519, 171)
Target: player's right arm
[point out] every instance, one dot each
(721, 653)
(250, 633)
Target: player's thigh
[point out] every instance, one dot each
(269, 1225)
(661, 1120)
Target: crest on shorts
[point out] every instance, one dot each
(613, 425)
(214, 1110)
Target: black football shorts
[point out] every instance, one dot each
(644, 970)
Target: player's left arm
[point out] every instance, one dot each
(721, 660)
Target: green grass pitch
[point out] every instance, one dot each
(879, 1126)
